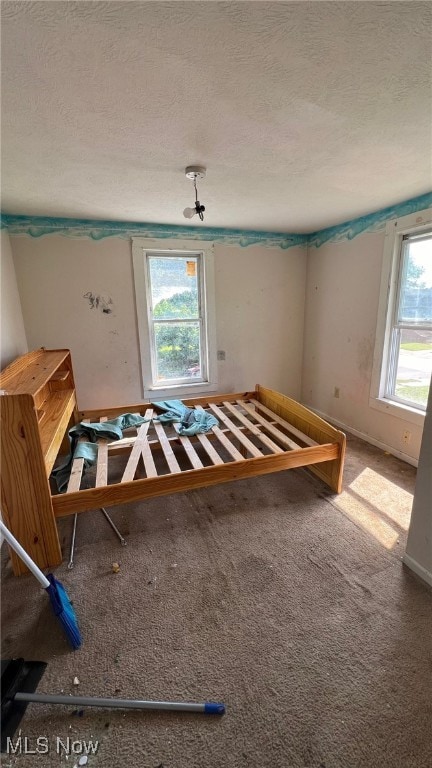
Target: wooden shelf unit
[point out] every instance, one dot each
(37, 405)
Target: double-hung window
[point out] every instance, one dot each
(403, 353)
(410, 358)
(175, 308)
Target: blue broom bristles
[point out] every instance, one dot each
(63, 610)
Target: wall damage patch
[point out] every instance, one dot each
(98, 301)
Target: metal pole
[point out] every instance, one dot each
(209, 707)
(72, 547)
(115, 529)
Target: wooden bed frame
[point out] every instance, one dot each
(259, 432)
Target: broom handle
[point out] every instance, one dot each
(16, 546)
(208, 707)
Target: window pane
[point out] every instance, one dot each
(174, 287)
(177, 350)
(416, 283)
(414, 366)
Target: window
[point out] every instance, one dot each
(403, 353)
(175, 306)
(410, 358)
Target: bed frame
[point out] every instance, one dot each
(259, 432)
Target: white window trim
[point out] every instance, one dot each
(395, 230)
(139, 246)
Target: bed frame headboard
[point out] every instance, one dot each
(37, 406)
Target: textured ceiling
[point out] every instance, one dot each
(305, 114)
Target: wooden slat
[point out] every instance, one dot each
(140, 448)
(93, 415)
(123, 493)
(164, 442)
(227, 444)
(102, 460)
(166, 447)
(210, 450)
(147, 449)
(224, 440)
(190, 450)
(75, 476)
(284, 439)
(236, 431)
(127, 442)
(124, 442)
(252, 427)
(301, 435)
(148, 460)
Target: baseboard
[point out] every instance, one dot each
(363, 436)
(418, 569)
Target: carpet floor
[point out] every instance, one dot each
(287, 603)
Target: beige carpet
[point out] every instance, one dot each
(289, 604)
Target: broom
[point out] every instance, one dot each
(57, 594)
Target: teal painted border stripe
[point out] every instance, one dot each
(373, 222)
(38, 226)
(95, 229)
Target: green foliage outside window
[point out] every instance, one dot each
(177, 344)
(184, 304)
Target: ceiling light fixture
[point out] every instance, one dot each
(194, 172)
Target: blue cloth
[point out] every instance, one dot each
(192, 422)
(110, 430)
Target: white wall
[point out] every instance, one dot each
(418, 554)
(259, 311)
(342, 292)
(13, 340)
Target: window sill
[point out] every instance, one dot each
(392, 408)
(179, 391)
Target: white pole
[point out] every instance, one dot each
(16, 546)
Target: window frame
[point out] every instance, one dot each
(206, 291)
(384, 353)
